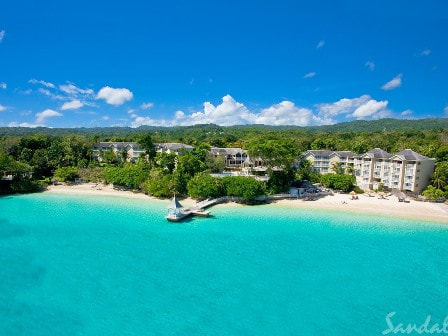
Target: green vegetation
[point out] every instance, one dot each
(245, 187)
(305, 172)
(338, 181)
(21, 173)
(66, 174)
(159, 184)
(32, 155)
(203, 186)
(129, 175)
(434, 193)
(439, 182)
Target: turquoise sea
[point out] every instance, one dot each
(83, 265)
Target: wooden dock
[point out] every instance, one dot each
(199, 209)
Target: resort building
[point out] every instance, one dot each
(235, 157)
(134, 151)
(172, 147)
(324, 160)
(405, 170)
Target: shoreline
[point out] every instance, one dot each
(419, 211)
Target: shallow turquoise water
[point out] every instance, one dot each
(79, 265)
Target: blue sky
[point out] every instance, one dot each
(105, 63)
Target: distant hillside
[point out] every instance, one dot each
(384, 124)
(352, 126)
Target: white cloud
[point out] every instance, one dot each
(72, 105)
(130, 111)
(320, 44)
(285, 113)
(425, 52)
(48, 113)
(25, 124)
(372, 109)
(52, 95)
(445, 110)
(310, 75)
(114, 96)
(2, 108)
(370, 65)
(2, 35)
(41, 82)
(230, 112)
(3, 85)
(342, 106)
(146, 106)
(406, 113)
(75, 91)
(393, 83)
(105, 117)
(362, 107)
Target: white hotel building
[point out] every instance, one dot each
(134, 151)
(405, 170)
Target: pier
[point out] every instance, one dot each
(178, 213)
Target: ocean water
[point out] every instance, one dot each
(83, 265)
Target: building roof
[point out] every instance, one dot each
(410, 155)
(378, 153)
(175, 204)
(118, 145)
(173, 146)
(227, 151)
(324, 152)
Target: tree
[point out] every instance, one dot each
(433, 193)
(145, 141)
(274, 151)
(66, 174)
(166, 161)
(215, 164)
(124, 155)
(306, 171)
(129, 175)
(21, 173)
(203, 185)
(338, 181)
(159, 184)
(245, 187)
(337, 168)
(279, 181)
(110, 157)
(440, 175)
(187, 166)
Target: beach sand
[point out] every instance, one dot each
(366, 205)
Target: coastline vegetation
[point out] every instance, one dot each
(34, 157)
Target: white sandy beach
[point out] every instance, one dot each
(367, 205)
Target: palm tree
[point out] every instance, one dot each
(438, 179)
(350, 170)
(337, 168)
